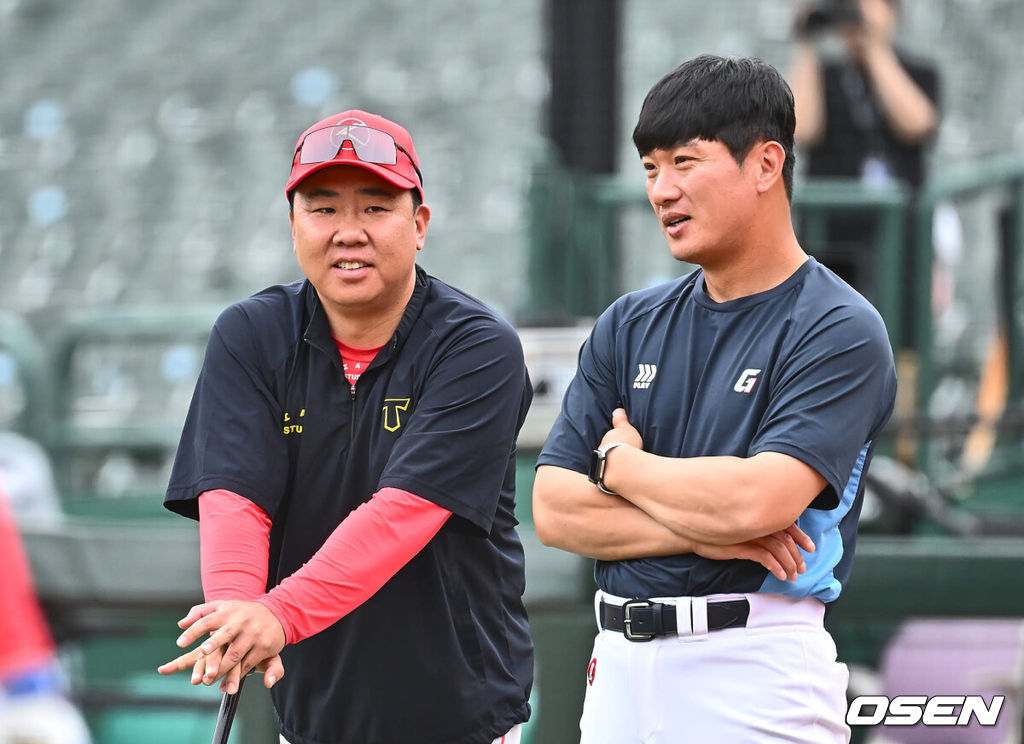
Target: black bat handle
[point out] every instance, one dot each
(228, 706)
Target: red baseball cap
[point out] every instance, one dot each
(404, 172)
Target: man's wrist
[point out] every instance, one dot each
(277, 608)
(599, 466)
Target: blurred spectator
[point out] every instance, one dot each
(867, 113)
(33, 705)
(28, 484)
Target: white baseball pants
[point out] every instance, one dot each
(775, 680)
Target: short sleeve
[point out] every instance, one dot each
(231, 438)
(458, 445)
(831, 398)
(586, 412)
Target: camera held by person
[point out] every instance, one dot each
(828, 15)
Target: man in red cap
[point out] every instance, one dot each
(350, 456)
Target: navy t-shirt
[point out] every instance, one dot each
(804, 369)
(442, 653)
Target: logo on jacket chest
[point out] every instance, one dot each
(293, 422)
(645, 376)
(394, 409)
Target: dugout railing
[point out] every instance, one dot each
(1005, 176)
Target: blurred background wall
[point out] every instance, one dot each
(143, 146)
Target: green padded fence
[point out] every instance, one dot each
(1001, 174)
(122, 379)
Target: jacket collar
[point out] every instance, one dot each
(318, 331)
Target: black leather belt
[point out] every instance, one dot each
(643, 620)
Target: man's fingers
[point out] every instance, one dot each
(272, 667)
(781, 553)
(791, 564)
(198, 627)
(197, 612)
(622, 430)
(181, 663)
(212, 663)
(800, 538)
(199, 669)
(793, 551)
(769, 561)
(755, 550)
(234, 637)
(239, 656)
(222, 636)
(231, 680)
(228, 656)
(273, 670)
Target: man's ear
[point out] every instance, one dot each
(422, 218)
(769, 157)
(291, 223)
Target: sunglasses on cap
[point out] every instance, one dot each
(370, 145)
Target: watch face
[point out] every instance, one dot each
(595, 465)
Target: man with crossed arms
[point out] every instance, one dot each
(716, 432)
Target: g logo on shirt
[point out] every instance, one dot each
(747, 381)
(392, 409)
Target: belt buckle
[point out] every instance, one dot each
(627, 620)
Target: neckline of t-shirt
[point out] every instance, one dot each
(355, 352)
(741, 303)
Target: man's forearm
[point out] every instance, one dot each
(714, 500)
(234, 546)
(570, 513)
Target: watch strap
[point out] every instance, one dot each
(600, 460)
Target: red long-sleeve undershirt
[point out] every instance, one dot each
(357, 559)
(234, 546)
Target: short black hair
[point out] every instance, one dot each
(416, 200)
(736, 101)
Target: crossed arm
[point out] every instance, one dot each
(717, 507)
